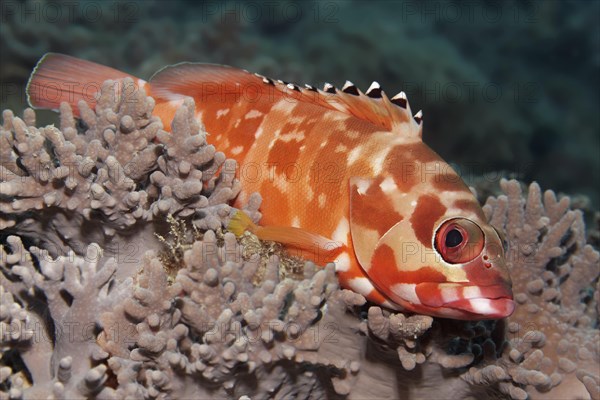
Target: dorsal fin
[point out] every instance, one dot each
(205, 82)
(212, 82)
(74, 79)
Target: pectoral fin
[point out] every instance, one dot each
(290, 236)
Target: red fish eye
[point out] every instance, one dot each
(459, 240)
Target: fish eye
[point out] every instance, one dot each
(453, 238)
(459, 240)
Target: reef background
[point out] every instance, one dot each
(506, 86)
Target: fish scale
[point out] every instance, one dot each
(345, 177)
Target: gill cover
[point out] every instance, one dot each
(371, 215)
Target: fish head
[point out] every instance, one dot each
(462, 275)
(471, 254)
(429, 251)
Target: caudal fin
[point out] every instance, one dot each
(59, 77)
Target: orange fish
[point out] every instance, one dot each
(345, 178)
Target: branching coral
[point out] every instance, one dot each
(56, 334)
(111, 183)
(554, 337)
(80, 321)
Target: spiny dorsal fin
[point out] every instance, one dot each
(212, 82)
(217, 83)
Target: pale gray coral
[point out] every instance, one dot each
(224, 333)
(213, 333)
(553, 334)
(56, 183)
(49, 168)
(63, 296)
(188, 169)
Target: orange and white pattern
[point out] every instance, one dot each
(346, 178)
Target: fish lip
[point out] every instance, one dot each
(480, 302)
(471, 291)
(497, 308)
(491, 292)
(494, 302)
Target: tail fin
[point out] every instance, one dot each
(59, 77)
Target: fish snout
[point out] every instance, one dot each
(476, 302)
(489, 302)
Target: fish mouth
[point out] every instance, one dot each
(482, 302)
(485, 308)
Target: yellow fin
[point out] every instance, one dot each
(287, 235)
(241, 222)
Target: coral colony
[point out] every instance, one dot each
(118, 280)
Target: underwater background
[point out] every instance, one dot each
(507, 88)
(117, 280)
